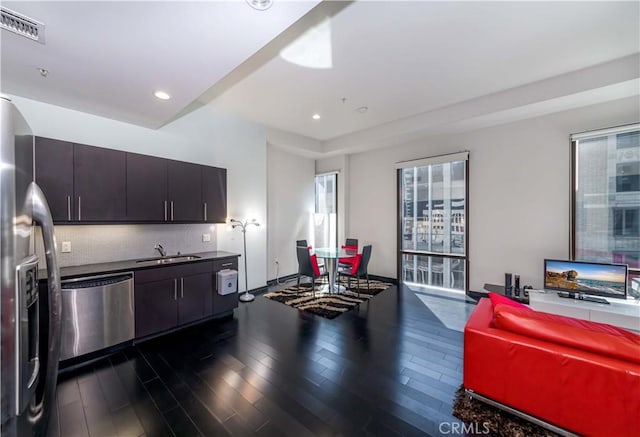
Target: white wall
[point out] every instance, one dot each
(291, 195)
(205, 136)
(519, 191)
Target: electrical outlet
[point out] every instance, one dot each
(66, 246)
(206, 237)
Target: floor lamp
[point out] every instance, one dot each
(246, 297)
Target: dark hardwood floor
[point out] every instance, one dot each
(389, 368)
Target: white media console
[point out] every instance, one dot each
(619, 312)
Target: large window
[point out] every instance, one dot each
(325, 217)
(432, 234)
(606, 197)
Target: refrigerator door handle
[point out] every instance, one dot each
(34, 375)
(40, 408)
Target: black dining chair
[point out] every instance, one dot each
(350, 244)
(308, 266)
(304, 243)
(362, 270)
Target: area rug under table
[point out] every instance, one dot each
(485, 419)
(324, 304)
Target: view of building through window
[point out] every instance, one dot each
(607, 198)
(433, 224)
(325, 229)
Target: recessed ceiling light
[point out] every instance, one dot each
(162, 95)
(316, 116)
(261, 5)
(362, 109)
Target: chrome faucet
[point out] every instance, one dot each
(160, 249)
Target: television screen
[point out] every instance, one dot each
(597, 279)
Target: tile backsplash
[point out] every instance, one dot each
(92, 244)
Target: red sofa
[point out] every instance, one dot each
(578, 375)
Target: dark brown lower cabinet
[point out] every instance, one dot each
(156, 307)
(194, 301)
(226, 303)
(171, 296)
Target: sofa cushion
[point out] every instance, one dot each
(497, 299)
(581, 334)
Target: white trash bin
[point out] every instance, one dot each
(227, 282)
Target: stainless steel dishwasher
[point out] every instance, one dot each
(97, 312)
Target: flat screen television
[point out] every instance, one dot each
(595, 279)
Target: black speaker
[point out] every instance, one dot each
(508, 288)
(516, 287)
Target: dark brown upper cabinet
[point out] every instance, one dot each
(54, 175)
(99, 181)
(86, 184)
(184, 189)
(81, 183)
(146, 188)
(214, 194)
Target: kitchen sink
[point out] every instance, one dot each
(168, 259)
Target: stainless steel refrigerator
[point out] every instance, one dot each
(30, 320)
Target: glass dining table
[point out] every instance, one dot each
(331, 256)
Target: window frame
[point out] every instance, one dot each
(400, 251)
(574, 139)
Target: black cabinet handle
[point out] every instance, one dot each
(205, 211)
(69, 208)
(172, 210)
(165, 210)
(181, 288)
(175, 289)
(79, 208)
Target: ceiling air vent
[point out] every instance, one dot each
(18, 23)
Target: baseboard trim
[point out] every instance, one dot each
(281, 279)
(256, 291)
(394, 281)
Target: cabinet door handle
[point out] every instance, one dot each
(181, 288)
(172, 210)
(175, 289)
(165, 210)
(205, 211)
(69, 208)
(79, 208)
(226, 264)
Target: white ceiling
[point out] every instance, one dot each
(419, 67)
(404, 60)
(107, 58)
